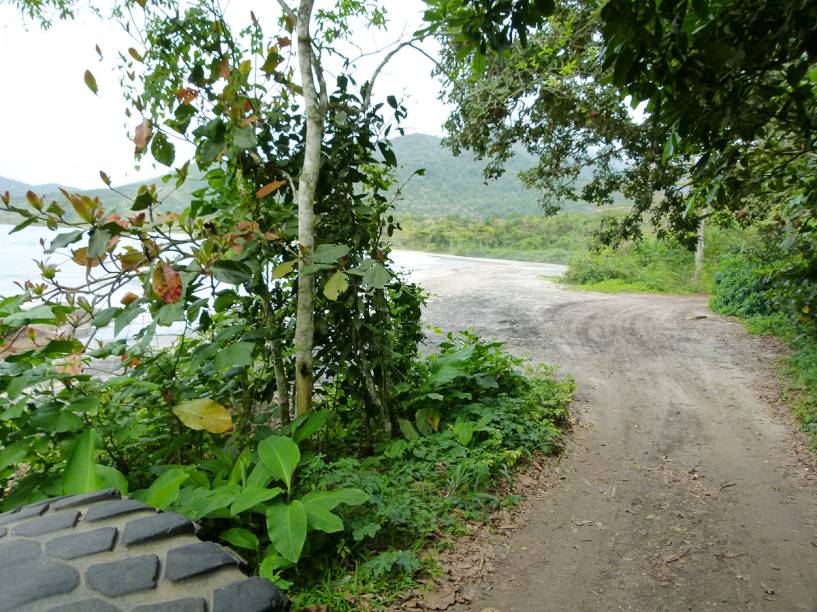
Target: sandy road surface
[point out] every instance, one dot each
(682, 488)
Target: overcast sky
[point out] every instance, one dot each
(54, 130)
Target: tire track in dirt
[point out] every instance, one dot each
(682, 489)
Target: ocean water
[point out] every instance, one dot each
(22, 250)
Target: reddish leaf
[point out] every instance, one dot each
(186, 95)
(34, 200)
(105, 178)
(129, 298)
(167, 283)
(144, 132)
(6, 197)
(269, 188)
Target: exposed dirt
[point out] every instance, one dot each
(685, 485)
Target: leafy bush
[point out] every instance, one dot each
(742, 288)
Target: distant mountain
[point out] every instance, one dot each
(451, 186)
(19, 190)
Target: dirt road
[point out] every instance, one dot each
(683, 488)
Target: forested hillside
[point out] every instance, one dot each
(450, 185)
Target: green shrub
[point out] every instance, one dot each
(742, 288)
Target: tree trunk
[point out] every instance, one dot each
(699, 251)
(281, 383)
(307, 184)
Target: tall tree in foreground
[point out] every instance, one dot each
(727, 93)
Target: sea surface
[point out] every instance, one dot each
(22, 250)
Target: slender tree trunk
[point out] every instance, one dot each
(281, 383)
(307, 184)
(699, 251)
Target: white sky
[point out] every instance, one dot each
(54, 130)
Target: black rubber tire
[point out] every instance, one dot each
(98, 552)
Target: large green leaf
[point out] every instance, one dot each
(241, 538)
(231, 272)
(111, 478)
(13, 454)
(314, 422)
(329, 253)
(377, 276)
(286, 526)
(236, 354)
(252, 496)
(334, 497)
(165, 489)
(80, 470)
(38, 314)
(63, 240)
(335, 285)
(445, 368)
(281, 456)
(321, 518)
(98, 243)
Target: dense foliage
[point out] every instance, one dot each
(726, 93)
(533, 238)
(750, 287)
(291, 412)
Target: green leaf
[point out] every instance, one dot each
(63, 240)
(286, 526)
(125, 318)
(332, 498)
(336, 285)
(14, 411)
(231, 272)
(90, 81)
(244, 137)
(98, 243)
(242, 538)
(105, 316)
(14, 454)
(285, 268)
(56, 421)
(329, 253)
(111, 478)
(260, 476)
(281, 456)
(236, 354)
(313, 423)
(165, 489)
(377, 276)
(322, 519)
(38, 314)
(163, 150)
(464, 430)
(144, 199)
(170, 313)
(445, 368)
(408, 429)
(80, 470)
(251, 496)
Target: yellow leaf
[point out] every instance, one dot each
(284, 269)
(269, 188)
(90, 81)
(335, 285)
(80, 256)
(204, 414)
